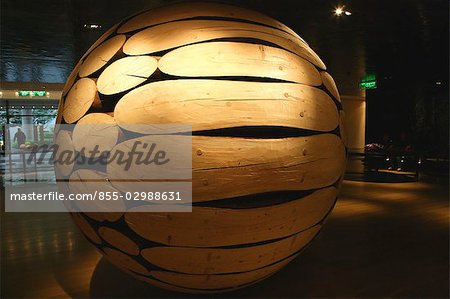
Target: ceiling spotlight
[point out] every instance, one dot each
(92, 26)
(339, 11)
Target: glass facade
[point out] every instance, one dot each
(25, 124)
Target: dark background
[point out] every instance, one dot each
(405, 42)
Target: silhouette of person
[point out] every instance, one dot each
(20, 137)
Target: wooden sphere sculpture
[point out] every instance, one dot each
(267, 124)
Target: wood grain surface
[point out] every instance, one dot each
(94, 134)
(124, 261)
(220, 281)
(329, 84)
(126, 73)
(190, 10)
(118, 240)
(209, 227)
(227, 260)
(80, 98)
(218, 59)
(175, 34)
(101, 55)
(226, 167)
(87, 181)
(214, 104)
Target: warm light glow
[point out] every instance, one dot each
(339, 11)
(92, 26)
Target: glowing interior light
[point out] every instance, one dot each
(347, 13)
(339, 11)
(92, 26)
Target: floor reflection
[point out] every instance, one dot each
(382, 240)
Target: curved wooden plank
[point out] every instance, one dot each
(330, 85)
(64, 154)
(87, 181)
(71, 79)
(190, 10)
(86, 228)
(80, 98)
(215, 104)
(118, 240)
(226, 167)
(124, 261)
(213, 227)
(229, 167)
(125, 167)
(218, 59)
(221, 281)
(95, 134)
(176, 34)
(101, 55)
(126, 73)
(220, 260)
(100, 40)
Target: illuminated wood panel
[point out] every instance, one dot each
(215, 104)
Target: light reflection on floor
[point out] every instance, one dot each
(382, 240)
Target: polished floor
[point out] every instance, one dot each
(382, 240)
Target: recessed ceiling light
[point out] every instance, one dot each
(92, 26)
(339, 11)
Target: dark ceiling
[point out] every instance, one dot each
(41, 39)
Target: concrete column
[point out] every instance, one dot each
(348, 67)
(27, 124)
(355, 121)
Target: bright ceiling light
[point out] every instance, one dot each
(92, 26)
(339, 11)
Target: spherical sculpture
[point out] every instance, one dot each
(267, 146)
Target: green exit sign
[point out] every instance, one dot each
(368, 82)
(31, 93)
